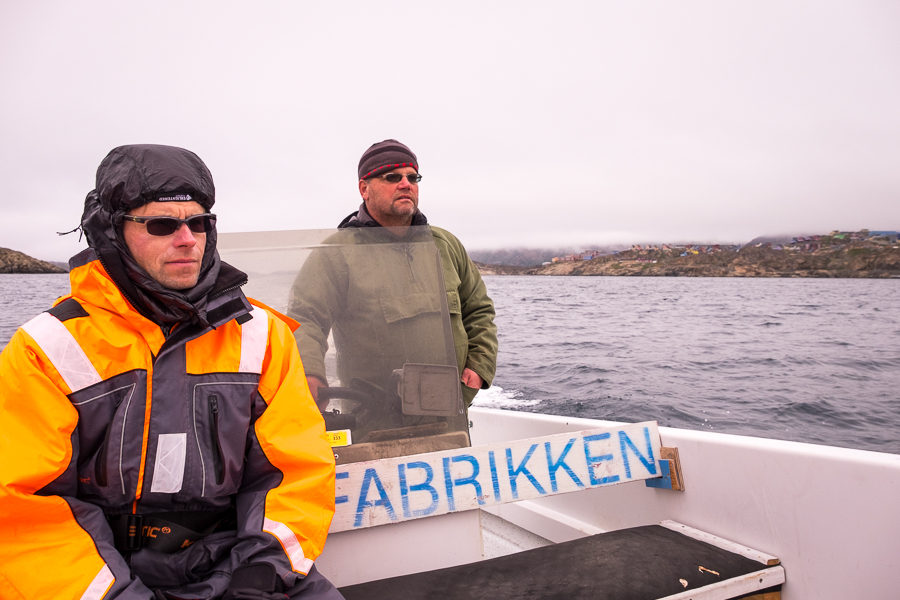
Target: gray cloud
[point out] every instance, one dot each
(535, 124)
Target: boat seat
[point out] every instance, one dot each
(640, 563)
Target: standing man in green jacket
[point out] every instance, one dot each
(389, 185)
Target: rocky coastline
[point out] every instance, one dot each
(851, 258)
(857, 259)
(13, 261)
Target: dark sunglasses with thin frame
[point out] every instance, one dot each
(162, 226)
(396, 177)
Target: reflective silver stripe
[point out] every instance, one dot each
(168, 472)
(100, 585)
(291, 544)
(63, 351)
(254, 339)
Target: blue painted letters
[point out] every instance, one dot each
(405, 489)
(370, 477)
(593, 462)
(648, 461)
(521, 470)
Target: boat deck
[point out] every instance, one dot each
(666, 561)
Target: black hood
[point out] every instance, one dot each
(131, 176)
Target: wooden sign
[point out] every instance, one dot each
(391, 490)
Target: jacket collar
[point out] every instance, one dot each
(161, 305)
(362, 218)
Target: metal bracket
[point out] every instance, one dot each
(670, 468)
(431, 390)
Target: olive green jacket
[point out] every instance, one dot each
(378, 296)
(471, 310)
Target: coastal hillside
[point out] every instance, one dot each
(848, 260)
(529, 257)
(747, 262)
(857, 254)
(13, 261)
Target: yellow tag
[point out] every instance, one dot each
(340, 437)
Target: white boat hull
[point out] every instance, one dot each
(830, 514)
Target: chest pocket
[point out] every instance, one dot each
(399, 308)
(217, 439)
(109, 438)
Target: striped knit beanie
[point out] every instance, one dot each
(386, 156)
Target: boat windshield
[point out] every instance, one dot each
(374, 324)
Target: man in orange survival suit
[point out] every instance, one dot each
(158, 436)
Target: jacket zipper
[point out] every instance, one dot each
(101, 459)
(220, 475)
(214, 438)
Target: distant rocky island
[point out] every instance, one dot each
(863, 254)
(13, 261)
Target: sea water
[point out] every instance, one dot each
(812, 360)
(24, 296)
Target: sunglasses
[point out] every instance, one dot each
(168, 225)
(396, 177)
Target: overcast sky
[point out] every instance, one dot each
(535, 123)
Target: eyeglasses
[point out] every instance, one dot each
(396, 177)
(168, 225)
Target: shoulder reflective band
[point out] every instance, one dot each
(63, 351)
(254, 338)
